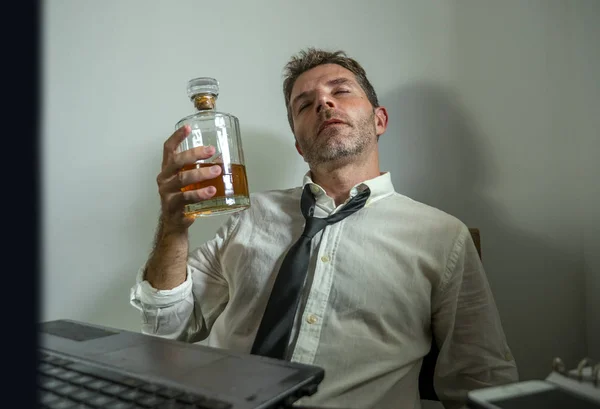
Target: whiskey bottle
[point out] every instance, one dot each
(221, 130)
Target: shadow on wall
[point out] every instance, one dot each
(270, 162)
(438, 157)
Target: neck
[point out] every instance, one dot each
(337, 178)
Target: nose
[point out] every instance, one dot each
(324, 101)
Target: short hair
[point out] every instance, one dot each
(311, 58)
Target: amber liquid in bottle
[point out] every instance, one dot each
(232, 179)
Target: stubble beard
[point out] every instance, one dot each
(341, 143)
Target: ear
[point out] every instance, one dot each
(298, 149)
(381, 120)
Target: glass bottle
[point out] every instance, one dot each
(221, 130)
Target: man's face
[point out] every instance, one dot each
(333, 118)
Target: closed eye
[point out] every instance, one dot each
(302, 107)
(341, 91)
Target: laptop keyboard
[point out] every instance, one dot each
(66, 384)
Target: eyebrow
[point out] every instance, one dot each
(330, 83)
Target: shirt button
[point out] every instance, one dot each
(508, 356)
(312, 319)
(325, 259)
(353, 192)
(314, 189)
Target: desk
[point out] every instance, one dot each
(315, 407)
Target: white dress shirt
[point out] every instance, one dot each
(378, 281)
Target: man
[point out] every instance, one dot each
(381, 284)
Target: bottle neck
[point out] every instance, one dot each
(205, 102)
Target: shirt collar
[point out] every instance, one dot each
(381, 186)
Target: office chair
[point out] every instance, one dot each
(426, 389)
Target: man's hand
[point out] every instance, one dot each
(172, 179)
(166, 267)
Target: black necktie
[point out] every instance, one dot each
(277, 322)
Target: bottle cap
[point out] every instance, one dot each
(202, 85)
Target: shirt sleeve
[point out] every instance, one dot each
(188, 311)
(466, 326)
(164, 312)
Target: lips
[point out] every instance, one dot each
(329, 122)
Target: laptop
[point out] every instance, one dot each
(88, 365)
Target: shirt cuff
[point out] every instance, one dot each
(143, 293)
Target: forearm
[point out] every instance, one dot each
(166, 266)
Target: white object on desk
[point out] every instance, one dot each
(583, 382)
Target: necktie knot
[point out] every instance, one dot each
(313, 226)
(307, 205)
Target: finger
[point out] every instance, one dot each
(172, 143)
(177, 201)
(188, 177)
(191, 156)
(197, 195)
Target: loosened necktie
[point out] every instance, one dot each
(275, 328)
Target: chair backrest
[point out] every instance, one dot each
(426, 389)
(476, 239)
